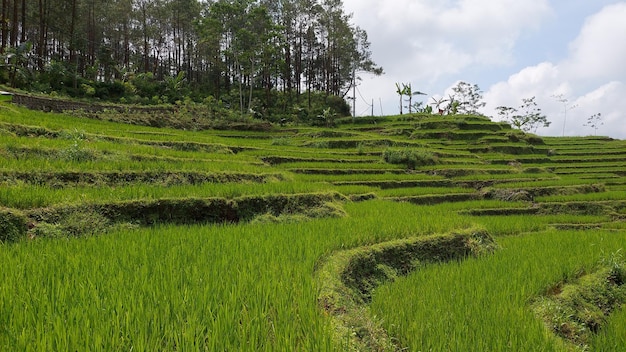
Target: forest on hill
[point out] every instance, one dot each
(267, 57)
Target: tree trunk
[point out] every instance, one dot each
(14, 24)
(5, 27)
(23, 32)
(73, 56)
(146, 51)
(41, 45)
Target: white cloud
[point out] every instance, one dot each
(427, 41)
(592, 78)
(607, 100)
(452, 34)
(433, 43)
(599, 52)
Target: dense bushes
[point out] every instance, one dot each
(409, 157)
(13, 225)
(58, 79)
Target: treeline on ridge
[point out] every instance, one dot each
(270, 58)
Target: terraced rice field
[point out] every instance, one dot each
(435, 233)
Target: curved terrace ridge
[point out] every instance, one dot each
(348, 278)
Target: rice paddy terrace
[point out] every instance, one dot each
(431, 233)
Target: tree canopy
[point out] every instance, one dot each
(248, 54)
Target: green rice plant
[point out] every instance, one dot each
(355, 189)
(250, 286)
(43, 165)
(310, 154)
(28, 197)
(417, 191)
(483, 304)
(515, 178)
(334, 165)
(221, 287)
(349, 277)
(482, 204)
(602, 196)
(552, 182)
(364, 177)
(578, 308)
(610, 337)
(282, 141)
(618, 187)
(485, 168)
(522, 224)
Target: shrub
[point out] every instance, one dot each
(84, 223)
(410, 158)
(13, 225)
(46, 230)
(76, 152)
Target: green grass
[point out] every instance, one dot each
(165, 288)
(416, 191)
(251, 286)
(374, 177)
(204, 287)
(560, 182)
(483, 304)
(603, 196)
(25, 197)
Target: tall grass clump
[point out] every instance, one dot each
(13, 225)
(410, 158)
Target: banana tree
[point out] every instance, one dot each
(408, 91)
(437, 103)
(400, 92)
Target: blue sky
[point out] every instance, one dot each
(512, 49)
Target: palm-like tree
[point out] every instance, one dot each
(437, 104)
(400, 92)
(408, 91)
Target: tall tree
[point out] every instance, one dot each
(262, 48)
(527, 118)
(468, 98)
(5, 25)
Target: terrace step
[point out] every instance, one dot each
(348, 278)
(347, 171)
(276, 160)
(432, 199)
(391, 184)
(115, 178)
(195, 210)
(36, 131)
(554, 208)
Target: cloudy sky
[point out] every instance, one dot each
(512, 49)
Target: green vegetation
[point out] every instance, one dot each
(410, 158)
(577, 309)
(484, 304)
(12, 225)
(419, 232)
(202, 61)
(349, 278)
